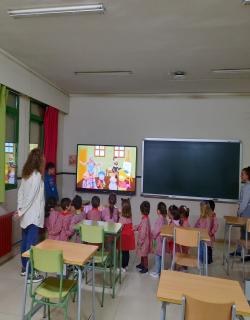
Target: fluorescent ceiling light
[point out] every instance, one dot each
(231, 71)
(245, 1)
(18, 13)
(105, 72)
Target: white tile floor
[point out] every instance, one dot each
(136, 296)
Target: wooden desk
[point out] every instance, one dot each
(230, 222)
(167, 231)
(76, 254)
(113, 230)
(173, 285)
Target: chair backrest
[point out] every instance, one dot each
(187, 237)
(92, 234)
(50, 261)
(195, 309)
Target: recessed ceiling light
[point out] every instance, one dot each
(19, 13)
(231, 71)
(105, 72)
(178, 75)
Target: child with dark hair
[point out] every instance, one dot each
(184, 215)
(144, 240)
(160, 221)
(111, 213)
(128, 237)
(78, 214)
(53, 219)
(213, 228)
(95, 214)
(174, 215)
(66, 215)
(50, 181)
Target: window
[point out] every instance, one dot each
(11, 140)
(36, 124)
(119, 152)
(99, 151)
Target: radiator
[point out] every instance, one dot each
(5, 233)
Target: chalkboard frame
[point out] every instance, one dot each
(172, 196)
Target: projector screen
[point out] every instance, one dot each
(106, 168)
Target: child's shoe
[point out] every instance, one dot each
(139, 266)
(154, 274)
(144, 270)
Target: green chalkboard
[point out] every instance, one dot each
(191, 168)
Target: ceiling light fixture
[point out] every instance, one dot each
(19, 13)
(178, 75)
(231, 71)
(105, 72)
(245, 1)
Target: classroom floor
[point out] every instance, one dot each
(136, 296)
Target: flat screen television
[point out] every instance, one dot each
(106, 169)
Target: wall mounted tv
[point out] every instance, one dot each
(192, 168)
(106, 169)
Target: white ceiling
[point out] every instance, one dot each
(150, 37)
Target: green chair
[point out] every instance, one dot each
(53, 291)
(93, 234)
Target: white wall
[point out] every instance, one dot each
(19, 77)
(129, 119)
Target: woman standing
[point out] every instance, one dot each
(31, 203)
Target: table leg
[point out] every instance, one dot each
(93, 288)
(163, 311)
(228, 247)
(114, 268)
(79, 293)
(224, 246)
(163, 253)
(25, 289)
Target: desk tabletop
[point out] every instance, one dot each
(173, 285)
(73, 253)
(109, 227)
(168, 231)
(237, 221)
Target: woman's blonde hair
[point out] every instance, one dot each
(205, 209)
(35, 162)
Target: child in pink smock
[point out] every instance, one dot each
(66, 216)
(144, 240)
(95, 214)
(184, 222)
(160, 221)
(174, 220)
(111, 213)
(78, 215)
(214, 226)
(53, 220)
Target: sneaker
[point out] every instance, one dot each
(23, 272)
(36, 278)
(124, 270)
(139, 266)
(144, 270)
(237, 254)
(154, 274)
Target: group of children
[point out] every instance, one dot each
(60, 224)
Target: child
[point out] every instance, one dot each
(214, 226)
(95, 214)
(174, 220)
(50, 182)
(160, 221)
(78, 214)
(128, 237)
(66, 216)
(53, 219)
(111, 213)
(184, 215)
(205, 222)
(144, 240)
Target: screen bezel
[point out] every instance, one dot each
(103, 191)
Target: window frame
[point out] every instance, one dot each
(117, 152)
(39, 120)
(97, 151)
(14, 112)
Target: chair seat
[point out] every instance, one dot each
(186, 260)
(99, 259)
(49, 288)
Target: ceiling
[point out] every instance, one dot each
(150, 38)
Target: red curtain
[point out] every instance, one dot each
(50, 134)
